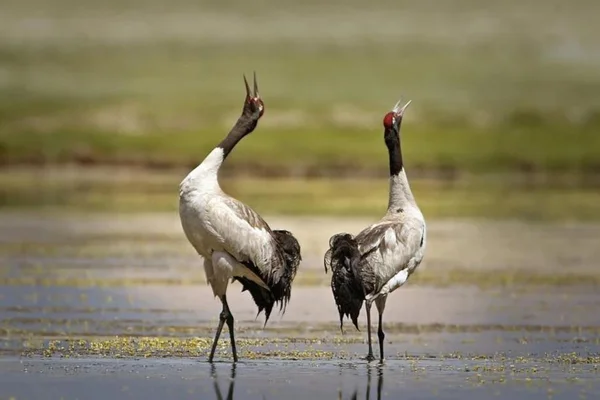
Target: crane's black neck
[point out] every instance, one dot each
(392, 141)
(400, 193)
(242, 127)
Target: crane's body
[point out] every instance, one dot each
(219, 227)
(371, 265)
(392, 249)
(235, 242)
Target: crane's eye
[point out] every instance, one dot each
(258, 103)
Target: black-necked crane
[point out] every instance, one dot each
(380, 258)
(235, 242)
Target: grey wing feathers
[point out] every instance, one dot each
(284, 259)
(392, 244)
(370, 239)
(246, 213)
(403, 234)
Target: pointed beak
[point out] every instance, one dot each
(399, 111)
(247, 87)
(256, 94)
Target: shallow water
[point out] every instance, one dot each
(183, 378)
(101, 310)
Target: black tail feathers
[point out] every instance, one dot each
(279, 282)
(263, 298)
(343, 258)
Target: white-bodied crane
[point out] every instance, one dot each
(235, 242)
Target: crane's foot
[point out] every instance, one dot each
(370, 357)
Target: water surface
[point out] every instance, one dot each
(119, 307)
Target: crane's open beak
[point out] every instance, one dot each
(399, 111)
(255, 95)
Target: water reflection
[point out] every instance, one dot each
(216, 383)
(371, 370)
(379, 372)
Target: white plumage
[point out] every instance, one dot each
(223, 229)
(380, 258)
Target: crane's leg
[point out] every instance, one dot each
(225, 316)
(229, 320)
(368, 304)
(380, 304)
(219, 329)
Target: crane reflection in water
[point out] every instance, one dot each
(355, 395)
(216, 384)
(368, 390)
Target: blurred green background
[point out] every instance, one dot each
(106, 105)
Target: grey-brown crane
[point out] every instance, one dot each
(380, 258)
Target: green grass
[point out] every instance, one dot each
(134, 190)
(136, 83)
(322, 151)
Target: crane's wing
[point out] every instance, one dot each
(273, 256)
(243, 233)
(392, 244)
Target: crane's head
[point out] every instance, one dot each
(393, 119)
(253, 106)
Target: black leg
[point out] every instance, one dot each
(225, 316)
(229, 320)
(219, 329)
(381, 335)
(370, 356)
